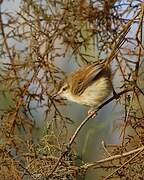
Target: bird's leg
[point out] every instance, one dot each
(92, 112)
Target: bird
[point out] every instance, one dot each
(91, 84)
(88, 85)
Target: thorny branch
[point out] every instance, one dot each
(115, 50)
(34, 45)
(83, 123)
(139, 150)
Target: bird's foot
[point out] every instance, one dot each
(92, 113)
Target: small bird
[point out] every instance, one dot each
(89, 85)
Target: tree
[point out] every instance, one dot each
(34, 43)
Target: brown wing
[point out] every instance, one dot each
(83, 77)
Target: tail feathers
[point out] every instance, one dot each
(117, 45)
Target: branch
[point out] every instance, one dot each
(83, 123)
(138, 150)
(90, 116)
(5, 38)
(7, 46)
(115, 50)
(131, 152)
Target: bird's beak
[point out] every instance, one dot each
(53, 96)
(56, 94)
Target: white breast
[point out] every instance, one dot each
(94, 94)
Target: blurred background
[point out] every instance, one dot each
(41, 42)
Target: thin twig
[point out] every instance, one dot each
(90, 116)
(83, 123)
(7, 46)
(139, 151)
(111, 158)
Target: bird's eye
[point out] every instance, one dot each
(65, 88)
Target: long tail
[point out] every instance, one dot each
(121, 40)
